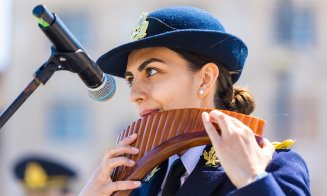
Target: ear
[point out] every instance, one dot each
(209, 74)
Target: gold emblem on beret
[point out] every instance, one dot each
(211, 158)
(35, 176)
(140, 30)
(151, 174)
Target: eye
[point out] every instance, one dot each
(129, 81)
(151, 71)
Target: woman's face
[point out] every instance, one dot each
(161, 80)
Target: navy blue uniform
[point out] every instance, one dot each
(287, 175)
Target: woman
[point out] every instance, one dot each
(181, 57)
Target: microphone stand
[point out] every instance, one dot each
(42, 75)
(66, 54)
(18, 101)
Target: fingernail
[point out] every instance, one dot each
(217, 112)
(131, 162)
(205, 116)
(133, 135)
(135, 149)
(137, 183)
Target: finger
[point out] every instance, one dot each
(244, 129)
(119, 161)
(268, 147)
(129, 139)
(110, 164)
(242, 126)
(120, 150)
(123, 185)
(224, 122)
(210, 129)
(238, 122)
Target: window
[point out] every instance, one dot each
(284, 21)
(295, 25)
(303, 27)
(68, 121)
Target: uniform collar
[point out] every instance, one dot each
(189, 159)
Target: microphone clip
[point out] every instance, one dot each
(76, 62)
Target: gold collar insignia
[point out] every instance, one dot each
(213, 161)
(151, 174)
(286, 144)
(141, 27)
(211, 158)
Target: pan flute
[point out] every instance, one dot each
(163, 134)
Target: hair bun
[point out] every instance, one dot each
(242, 101)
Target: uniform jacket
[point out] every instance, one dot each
(287, 175)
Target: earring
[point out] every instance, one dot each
(201, 91)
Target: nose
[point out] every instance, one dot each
(138, 91)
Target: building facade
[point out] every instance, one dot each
(285, 71)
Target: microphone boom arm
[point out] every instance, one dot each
(57, 61)
(66, 54)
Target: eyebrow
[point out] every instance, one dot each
(143, 65)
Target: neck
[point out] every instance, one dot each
(207, 101)
(208, 104)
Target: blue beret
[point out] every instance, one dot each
(37, 172)
(185, 28)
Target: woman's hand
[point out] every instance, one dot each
(236, 147)
(100, 182)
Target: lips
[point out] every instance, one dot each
(148, 112)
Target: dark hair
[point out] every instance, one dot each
(227, 97)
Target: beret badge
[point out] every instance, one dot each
(35, 176)
(140, 29)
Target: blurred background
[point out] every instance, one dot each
(285, 70)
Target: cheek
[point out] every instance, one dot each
(174, 93)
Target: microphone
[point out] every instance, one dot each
(101, 86)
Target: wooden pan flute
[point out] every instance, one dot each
(163, 134)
